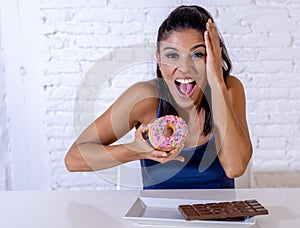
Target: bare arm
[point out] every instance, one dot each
(232, 135)
(93, 150)
(229, 111)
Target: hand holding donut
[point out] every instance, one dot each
(153, 152)
(214, 69)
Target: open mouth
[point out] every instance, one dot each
(185, 86)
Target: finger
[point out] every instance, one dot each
(159, 154)
(159, 159)
(213, 35)
(207, 43)
(212, 29)
(164, 160)
(174, 153)
(179, 158)
(181, 146)
(144, 128)
(141, 132)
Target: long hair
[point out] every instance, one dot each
(189, 17)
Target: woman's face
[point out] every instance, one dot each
(181, 59)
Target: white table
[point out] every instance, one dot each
(95, 209)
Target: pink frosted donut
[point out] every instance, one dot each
(167, 132)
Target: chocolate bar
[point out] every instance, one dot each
(223, 210)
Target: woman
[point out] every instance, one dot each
(193, 82)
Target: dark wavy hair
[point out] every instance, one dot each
(188, 17)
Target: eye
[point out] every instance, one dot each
(172, 56)
(197, 55)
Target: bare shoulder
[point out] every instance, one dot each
(232, 82)
(235, 90)
(140, 92)
(145, 88)
(235, 87)
(141, 101)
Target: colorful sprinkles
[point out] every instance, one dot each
(157, 132)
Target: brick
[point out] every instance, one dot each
(283, 80)
(143, 4)
(258, 118)
(57, 15)
(51, 80)
(273, 93)
(257, 19)
(251, 92)
(296, 39)
(99, 14)
(62, 67)
(267, 67)
(279, 105)
(275, 154)
(45, 4)
(264, 54)
(276, 179)
(80, 54)
(75, 28)
(286, 117)
(242, 54)
(129, 28)
(217, 3)
(274, 129)
(55, 130)
(294, 11)
(294, 93)
(235, 27)
(107, 41)
(59, 42)
(273, 143)
(53, 118)
(87, 66)
(87, 41)
(154, 19)
(276, 166)
(56, 144)
(258, 40)
(134, 15)
(78, 181)
(251, 106)
(273, 2)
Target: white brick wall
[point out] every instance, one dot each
(4, 125)
(262, 37)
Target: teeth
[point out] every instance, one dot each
(184, 81)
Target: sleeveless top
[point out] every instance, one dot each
(200, 170)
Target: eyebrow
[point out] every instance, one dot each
(195, 47)
(167, 48)
(198, 45)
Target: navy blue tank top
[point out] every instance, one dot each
(200, 170)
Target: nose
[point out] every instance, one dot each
(184, 65)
